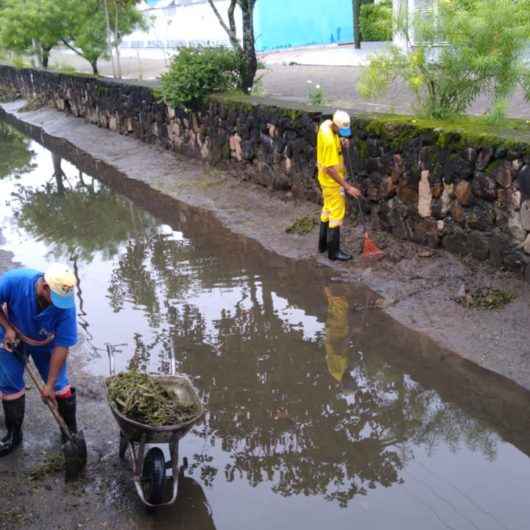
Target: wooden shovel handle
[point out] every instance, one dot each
(53, 409)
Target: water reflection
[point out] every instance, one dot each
(15, 155)
(76, 216)
(305, 393)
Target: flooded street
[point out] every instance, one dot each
(321, 409)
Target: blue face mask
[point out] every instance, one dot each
(345, 132)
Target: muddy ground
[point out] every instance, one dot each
(418, 291)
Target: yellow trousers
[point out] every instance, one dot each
(334, 209)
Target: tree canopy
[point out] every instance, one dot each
(36, 26)
(460, 50)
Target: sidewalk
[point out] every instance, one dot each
(335, 68)
(335, 55)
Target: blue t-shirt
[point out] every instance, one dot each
(18, 291)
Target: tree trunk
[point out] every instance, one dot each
(109, 44)
(58, 173)
(250, 64)
(45, 58)
(94, 65)
(357, 24)
(117, 41)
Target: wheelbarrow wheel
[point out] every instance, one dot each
(123, 446)
(153, 476)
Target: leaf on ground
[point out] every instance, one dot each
(302, 226)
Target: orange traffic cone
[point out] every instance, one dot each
(370, 249)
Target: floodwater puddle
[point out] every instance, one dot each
(320, 413)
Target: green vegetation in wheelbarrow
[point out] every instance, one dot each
(140, 397)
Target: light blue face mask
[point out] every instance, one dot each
(345, 132)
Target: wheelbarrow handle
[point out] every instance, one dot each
(112, 359)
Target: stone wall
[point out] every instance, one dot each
(468, 192)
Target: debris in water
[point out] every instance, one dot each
(486, 298)
(302, 226)
(142, 398)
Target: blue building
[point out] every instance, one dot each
(286, 23)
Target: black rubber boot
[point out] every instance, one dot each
(334, 251)
(67, 409)
(323, 237)
(14, 417)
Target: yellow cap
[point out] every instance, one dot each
(61, 281)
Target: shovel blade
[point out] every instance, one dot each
(75, 456)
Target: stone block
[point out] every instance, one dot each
(503, 174)
(481, 217)
(484, 158)
(463, 193)
(526, 245)
(388, 188)
(458, 214)
(455, 241)
(407, 195)
(471, 154)
(500, 246)
(525, 215)
(484, 187)
(516, 261)
(515, 227)
(456, 168)
(426, 233)
(478, 245)
(424, 195)
(523, 180)
(447, 197)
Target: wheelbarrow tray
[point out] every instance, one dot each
(135, 431)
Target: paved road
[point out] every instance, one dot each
(290, 81)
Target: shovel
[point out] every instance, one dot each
(74, 449)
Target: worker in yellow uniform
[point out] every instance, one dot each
(332, 137)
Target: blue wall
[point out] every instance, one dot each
(286, 23)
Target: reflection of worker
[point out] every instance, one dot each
(39, 306)
(331, 177)
(337, 335)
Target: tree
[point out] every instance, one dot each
(125, 18)
(247, 51)
(85, 27)
(84, 30)
(33, 26)
(461, 50)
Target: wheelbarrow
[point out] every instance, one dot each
(154, 451)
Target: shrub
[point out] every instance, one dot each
(376, 21)
(195, 73)
(316, 94)
(465, 49)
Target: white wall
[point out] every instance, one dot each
(182, 23)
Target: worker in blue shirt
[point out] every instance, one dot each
(38, 308)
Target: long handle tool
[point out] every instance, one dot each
(74, 448)
(370, 249)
